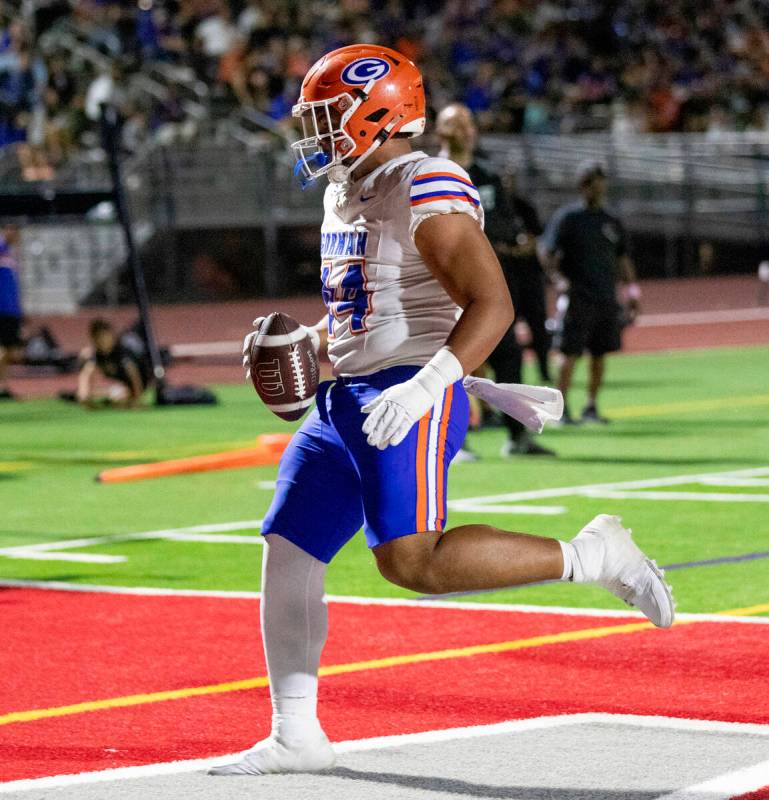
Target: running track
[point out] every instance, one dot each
(226, 322)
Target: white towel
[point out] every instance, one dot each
(532, 406)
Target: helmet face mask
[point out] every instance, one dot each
(353, 100)
(325, 143)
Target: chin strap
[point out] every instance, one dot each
(379, 139)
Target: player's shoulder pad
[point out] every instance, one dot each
(436, 179)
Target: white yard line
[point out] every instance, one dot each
(706, 497)
(501, 503)
(725, 786)
(716, 480)
(52, 551)
(405, 602)
(425, 737)
(509, 503)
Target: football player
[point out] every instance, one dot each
(416, 300)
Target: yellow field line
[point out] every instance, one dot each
(711, 404)
(749, 611)
(15, 466)
(356, 666)
(132, 700)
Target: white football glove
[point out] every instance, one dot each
(392, 414)
(257, 323)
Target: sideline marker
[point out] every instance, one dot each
(268, 449)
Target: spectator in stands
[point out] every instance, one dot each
(632, 66)
(120, 359)
(107, 87)
(584, 249)
(10, 309)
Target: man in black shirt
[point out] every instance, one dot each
(584, 250)
(525, 276)
(120, 359)
(513, 242)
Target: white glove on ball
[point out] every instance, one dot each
(257, 323)
(392, 414)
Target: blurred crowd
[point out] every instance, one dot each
(539, 66)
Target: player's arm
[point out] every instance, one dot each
(626, 272)
(457, 252)
(321, 327)
(459, 255)
(85, 382)
(526, 241)
(136, 386)
(631, 291)
(550, 252)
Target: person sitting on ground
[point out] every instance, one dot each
(120, 360)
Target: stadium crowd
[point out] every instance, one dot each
(539, 66)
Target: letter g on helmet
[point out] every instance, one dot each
(363, 70)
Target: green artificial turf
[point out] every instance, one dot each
(681, 413)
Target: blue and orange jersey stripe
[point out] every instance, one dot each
(430, 177)
(445, 186)
(441, 477)
(432, 197)
(432, 434)
(422, 445)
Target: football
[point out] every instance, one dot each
(284, 366)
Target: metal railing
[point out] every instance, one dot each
(685, 189)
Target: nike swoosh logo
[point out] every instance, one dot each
(366, 199)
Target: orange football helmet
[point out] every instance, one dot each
(353, 100)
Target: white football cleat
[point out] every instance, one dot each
(272, 755)
(607, 555)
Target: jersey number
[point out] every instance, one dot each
(344, 293)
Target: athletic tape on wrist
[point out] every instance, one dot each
(440, 372)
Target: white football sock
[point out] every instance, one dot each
(586, 550)
(294, 627)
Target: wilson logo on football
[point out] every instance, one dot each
(364, 70)
(269, 379)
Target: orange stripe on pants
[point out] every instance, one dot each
(442, 433)
(424, 425)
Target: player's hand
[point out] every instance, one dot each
(392, 415)
(249, 338)
(394, 412)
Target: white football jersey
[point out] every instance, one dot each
(385, 307)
